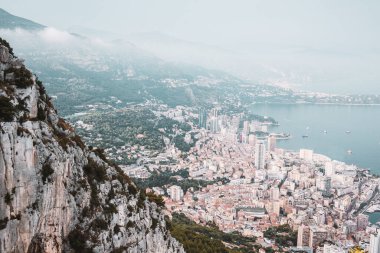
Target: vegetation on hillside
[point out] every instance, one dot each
(254, 117)
(168, 178)
(7, 109)
(282, 235)
(22, 77)
(207, 239)
(181, 144)
(126, 128)
(6, 44)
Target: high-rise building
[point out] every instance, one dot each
(252, 139)
(176, 193)
(202, 118)
(327, 186)
(320, 217)
(317, 236)
(303, 236)
(276, 207)
(329, 169)
(274, 193)
(374, 243)
(260, 155)
(271, 143)
(246, 128)
(214, 124)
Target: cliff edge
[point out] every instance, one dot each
(57, 195)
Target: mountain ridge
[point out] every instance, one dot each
(9, 21)
(57, 195)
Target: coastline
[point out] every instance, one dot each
(306, 103)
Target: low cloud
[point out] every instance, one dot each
(331, 70)
(53, 35)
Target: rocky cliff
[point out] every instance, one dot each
(57, 195)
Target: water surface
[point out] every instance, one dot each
(363, 122)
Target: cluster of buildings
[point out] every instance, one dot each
(322, 199)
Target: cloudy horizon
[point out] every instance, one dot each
(320, 46)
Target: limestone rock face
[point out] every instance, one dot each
(4, 54)
(56, 195)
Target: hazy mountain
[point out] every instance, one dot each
(333, 68)
(335, 51)
(79, 70)
(9, 21)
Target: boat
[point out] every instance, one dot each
(349, 151)
(305, 136)
(325, 131)
(281, 136)
(348, 132)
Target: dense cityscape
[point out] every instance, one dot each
(322, 199)
(189, 127)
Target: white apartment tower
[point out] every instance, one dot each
(260, 155)
(246, 128)
(374, 244)
(303, 236)
(176, 193)
(214, 124)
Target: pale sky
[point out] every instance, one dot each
(303, 22)
(324, 45)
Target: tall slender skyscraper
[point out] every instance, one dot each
(374, 244)
(214, 120)
(327, 186)
(303, 236)
(260, 155)
(246, 129)
(202, 118)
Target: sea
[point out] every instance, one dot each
(331, 130)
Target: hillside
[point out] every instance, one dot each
(57, 195)
(9, 21)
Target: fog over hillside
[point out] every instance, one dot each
(318, 46)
